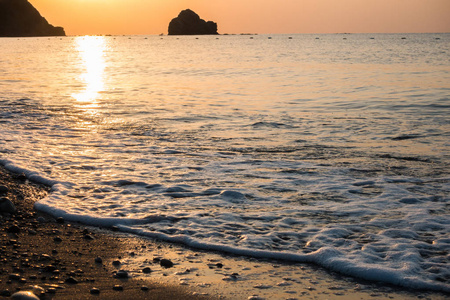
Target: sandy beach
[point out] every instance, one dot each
(58, 260)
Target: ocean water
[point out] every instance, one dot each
(330, 149)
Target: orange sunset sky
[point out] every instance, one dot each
(81, 17)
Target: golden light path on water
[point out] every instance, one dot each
(91, 50)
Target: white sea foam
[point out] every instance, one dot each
(235, 155)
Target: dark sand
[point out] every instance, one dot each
(36, 249)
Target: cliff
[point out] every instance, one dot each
(189, 23)
(20, 18)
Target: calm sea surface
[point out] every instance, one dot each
(332, 149)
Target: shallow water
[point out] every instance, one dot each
(330, 149)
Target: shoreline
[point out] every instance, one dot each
(60, 257)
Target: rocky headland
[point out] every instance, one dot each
(189, 23)
(19, 18)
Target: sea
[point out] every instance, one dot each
(331, 149)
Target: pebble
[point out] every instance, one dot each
(88, 237)
(118, 287)
(116, 263)
(14, 276)
(262, 286)
(24, 296)
(13, 229)
(6, 206)
(165, 263)
(144, 288)
(71, 280)
(146, 270)
(121, 274)
(60, 220)
(98, 260)
(3, 189)
(5, 293)
(41, 219)
(95, 291)
(255, 297)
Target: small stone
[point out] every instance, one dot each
(13, 229)
(6, 206)
(121, 274)
(24, 296)
(71, 280)
(32, 232)
(88, 237)
(118, 287)
(144, 288)
(60, 220)
(38, 291)
(219, 265)
(146, 270)
(41, 219)
(95, 291)
(51, 290)
(3, 189)
(14, 276)
(165, 263)
(57, 239)
(116, 263)
(98, 260)
(5, 293)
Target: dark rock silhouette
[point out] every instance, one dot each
(189, 23)
(19, 18)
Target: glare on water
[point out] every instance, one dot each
(91, 50)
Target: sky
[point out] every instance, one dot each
(89, 17)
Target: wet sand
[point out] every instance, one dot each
(70, 261)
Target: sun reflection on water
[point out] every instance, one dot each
(91, 49)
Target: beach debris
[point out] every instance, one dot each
(166, 263)
(24, 295)
(6, 206)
